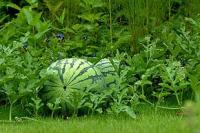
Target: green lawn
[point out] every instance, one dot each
(147, 122)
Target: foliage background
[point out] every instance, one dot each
(156, 41)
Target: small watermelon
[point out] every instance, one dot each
(71, 74)
(108, 69)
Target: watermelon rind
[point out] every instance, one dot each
(109, 70)
(69, 75)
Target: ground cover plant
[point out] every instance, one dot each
(71, 59)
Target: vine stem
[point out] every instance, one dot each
(177, 98)
(110, 15)
(171, 108)
(169, 8)
(163, 107)
(10, 112)
(147, 15)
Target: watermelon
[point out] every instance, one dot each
(109, 71)
(68, 75)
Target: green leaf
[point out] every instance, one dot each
(90, 17)
(13, 5)
(130, 112)
(2, 61)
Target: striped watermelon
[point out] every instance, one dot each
(71, 74)
(109, 72)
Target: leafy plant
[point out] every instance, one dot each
(54, 106)
(174, 79)
(36, 104)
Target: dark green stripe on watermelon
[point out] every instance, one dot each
(107, 67)
(105, 63)
(72, 64)
(94, 78)
(94, 70)
(81, 73)
(63, 70)
(75, 72)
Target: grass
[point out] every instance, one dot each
(147, 122)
